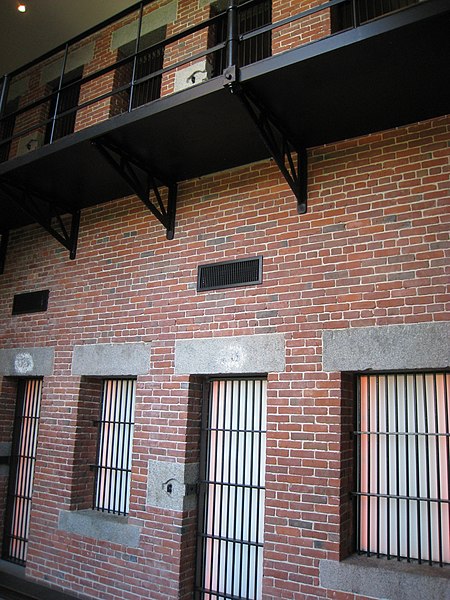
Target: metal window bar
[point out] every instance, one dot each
(115, 435)
(353, 13)
(403, 461)
(62, 117)
(23, 458)
(231, 501)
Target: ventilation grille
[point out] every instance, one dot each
(30, 302)
(229, 274)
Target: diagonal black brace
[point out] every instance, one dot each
(291, 158)
(3, 247)
(47, 212)
(143, 181)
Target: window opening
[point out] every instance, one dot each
(68, 99)
(232, 490)
(403, 458)
(23, 458)
(115, 436)
(365, 10)
(251, 50)
(147, 63)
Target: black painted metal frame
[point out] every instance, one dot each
(283, 136)
(49, 213)
(131, 169)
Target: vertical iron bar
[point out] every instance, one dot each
(438, 466)
(238, 445)
(428, 473)
(446, 429)
(242, 426)
(387, 465)
(112, 503)
(358, 436)
(58, 94)
(369, 400)
(408, 492)
(220, 482)
(4, 94)
(135, 59)
(120, 444)
(232, 42)
(377, 440)
(261, 475)
(231, 490)
(397, 465)
(354, 19)
(251, 405)
(212, 476)
(416, 429)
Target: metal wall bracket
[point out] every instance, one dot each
(3, 247)
(48, 213)
(143, 181)
(291, 158)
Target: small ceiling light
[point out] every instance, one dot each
(21, 7)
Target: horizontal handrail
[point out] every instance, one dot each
(133, 58)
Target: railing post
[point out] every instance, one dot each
(232, 35)
(60, 83)
(4, 94)
(355, 20)
(3, 99)
(136, 50)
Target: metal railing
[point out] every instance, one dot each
(257, 41)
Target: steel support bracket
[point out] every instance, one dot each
(291, 157)
(143, 181)
(3, 247)
(47, 212)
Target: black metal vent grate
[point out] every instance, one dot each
(229, 274)
(30, 302)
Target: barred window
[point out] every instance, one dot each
(113, 467)
(23, 458)
(403, 458)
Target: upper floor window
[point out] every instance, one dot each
(342, 16)
(113, 466)
(149, 62)
(66, 100)
(403, 461)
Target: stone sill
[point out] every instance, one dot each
(385, 579)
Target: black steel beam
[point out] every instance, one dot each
(290, 157)
(143, 180)
(48, 213)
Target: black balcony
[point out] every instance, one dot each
(377, 74)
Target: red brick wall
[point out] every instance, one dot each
(370, 251)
